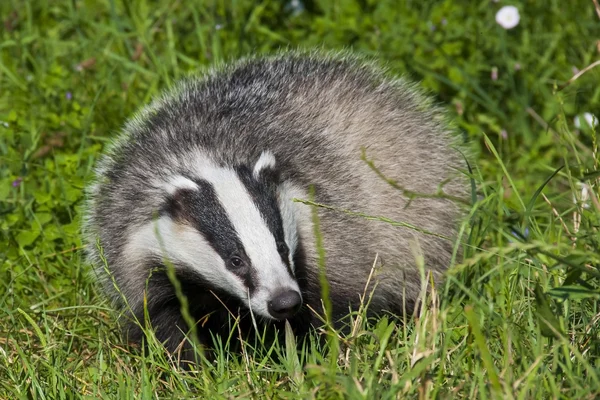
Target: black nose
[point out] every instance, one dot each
(285, 304)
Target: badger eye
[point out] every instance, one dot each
(236, 262)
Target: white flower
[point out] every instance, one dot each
(494, 75)
(583, 196)
(588, 117)
(508, 17)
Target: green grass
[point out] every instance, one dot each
(517, 318)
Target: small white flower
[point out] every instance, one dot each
(583, 197)
(589, 118)
(295, 7)
(508, 17)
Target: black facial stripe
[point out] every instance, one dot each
(201, 209)
(263, 192)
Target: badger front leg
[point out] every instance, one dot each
(169, 328)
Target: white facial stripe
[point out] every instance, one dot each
(258, 241)
(184, 244)
(266, 160)
(179, 182)
(286, 193)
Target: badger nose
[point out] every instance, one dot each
(285, 304)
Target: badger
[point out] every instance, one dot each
(222, 179)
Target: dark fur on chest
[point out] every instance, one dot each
(214, 313)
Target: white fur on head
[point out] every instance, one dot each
(184, 244)
(259, 243)
(266, 160)
(178, 182)
(286, 192)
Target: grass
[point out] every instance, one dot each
(517, 318)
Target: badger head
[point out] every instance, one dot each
(235, 228)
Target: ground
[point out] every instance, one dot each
(518, 315)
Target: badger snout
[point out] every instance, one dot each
(284, 304)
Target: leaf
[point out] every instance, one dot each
(471, 179)
(35, 327)
(291, 355)
(72, 194)
(42, 197)
(575, 261)
(25, 238)
(43, 217)
(549, 324)
(12, 116)
(480, 342)
(537, 193)
(574, 292)
(573, 276)
(72, 228)
(416, 371)
(590, 175)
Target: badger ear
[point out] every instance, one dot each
(177, 183)
(265, 162)
(177, 188)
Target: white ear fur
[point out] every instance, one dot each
(266, 160)
(179, 182)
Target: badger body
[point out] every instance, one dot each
(204, 179)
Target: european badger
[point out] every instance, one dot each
(206, 175)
